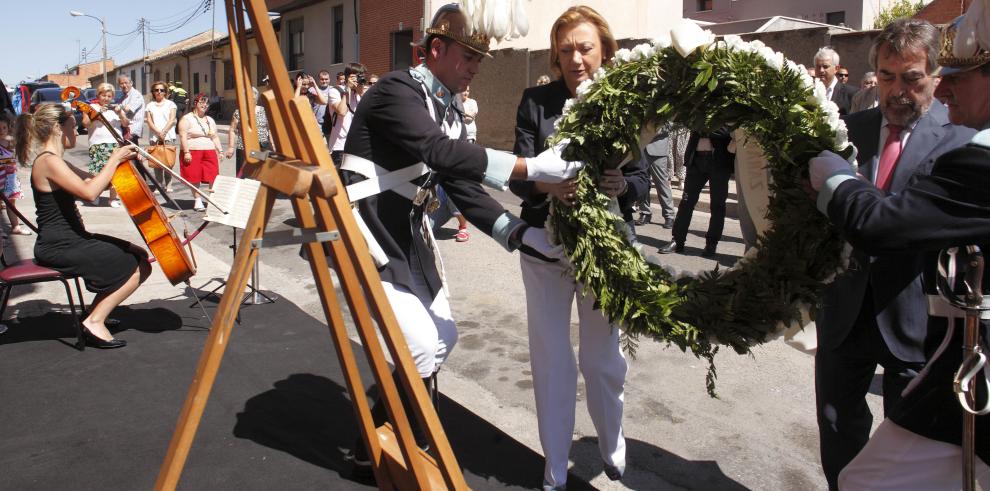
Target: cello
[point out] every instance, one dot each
(141, 205)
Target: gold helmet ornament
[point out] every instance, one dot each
(965, 40)
(451, 23)
(478, 22)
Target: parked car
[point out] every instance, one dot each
(48, 94)
(23, 92)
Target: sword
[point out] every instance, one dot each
(969, 261)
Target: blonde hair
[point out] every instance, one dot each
(105, 87)
(34, 130)
(577, 15)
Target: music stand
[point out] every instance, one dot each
(237, 195)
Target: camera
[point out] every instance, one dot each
(361, 80)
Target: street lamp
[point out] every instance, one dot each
(103, 28)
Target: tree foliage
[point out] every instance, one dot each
(897, 10)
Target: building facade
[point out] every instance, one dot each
(79, 75)
(317, 34)
(857, 14)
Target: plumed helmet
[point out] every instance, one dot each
(964, 46)
(451, 23)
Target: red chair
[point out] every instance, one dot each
(26, 271)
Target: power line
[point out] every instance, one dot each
(203, 7)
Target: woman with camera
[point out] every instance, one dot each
(101, 140)
(344, 103)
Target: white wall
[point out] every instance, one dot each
(859, 13)
(629, 19)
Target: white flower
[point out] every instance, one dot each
(672, 271)
(756, 44)
(818, 95)
(662, 42)
(687, 37)
(833, 114)
(622, 55)
(642, 52)
(841, 136)
(774, 59)
(599, 73)
(735, 43)
(568, 104)
(583, 87)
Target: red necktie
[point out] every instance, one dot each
(888, 158)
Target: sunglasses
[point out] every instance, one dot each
(158, 90)
(843, 75)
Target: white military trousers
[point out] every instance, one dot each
(429, 330)
(550, 292)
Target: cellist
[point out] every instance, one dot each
(112, 268)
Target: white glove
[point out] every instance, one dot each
(550, 167)
(538, 239)
(824, 166)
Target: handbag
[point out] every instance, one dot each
(164, 153)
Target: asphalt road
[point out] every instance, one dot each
(760, 434)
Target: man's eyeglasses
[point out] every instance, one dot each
(842, 75)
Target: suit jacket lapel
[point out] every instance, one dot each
(926, 135)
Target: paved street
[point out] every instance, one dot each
(760, 433)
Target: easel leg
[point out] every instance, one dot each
(216, 344)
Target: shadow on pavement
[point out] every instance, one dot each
(278, 416)
(666, 470)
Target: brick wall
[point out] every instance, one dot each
(378, 20)
(943, 11)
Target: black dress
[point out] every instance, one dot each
(104, 263)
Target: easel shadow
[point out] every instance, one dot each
(310, 417)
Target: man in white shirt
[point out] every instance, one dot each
(826, 63)
(133, 103)
(320, 110)
(344, 104)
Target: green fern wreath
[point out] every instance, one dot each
(692, 80)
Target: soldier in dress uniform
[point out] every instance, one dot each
(918, 446)
(408, 136)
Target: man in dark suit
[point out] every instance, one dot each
(876, 312)
(826, 64)
(708, 161)
(918, 446)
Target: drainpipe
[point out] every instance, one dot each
(357, 31)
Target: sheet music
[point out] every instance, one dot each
(234, 195)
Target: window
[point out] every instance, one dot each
(158, 75)
(704, 5)
(401, 51)
(296, 44)
(133, 78)
(836, 18)
(177, 73)
(338, 34)
(228, 75)
(195, 83)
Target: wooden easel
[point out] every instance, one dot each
(303, 170)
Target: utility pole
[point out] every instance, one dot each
(103, 61)
(143, 24)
